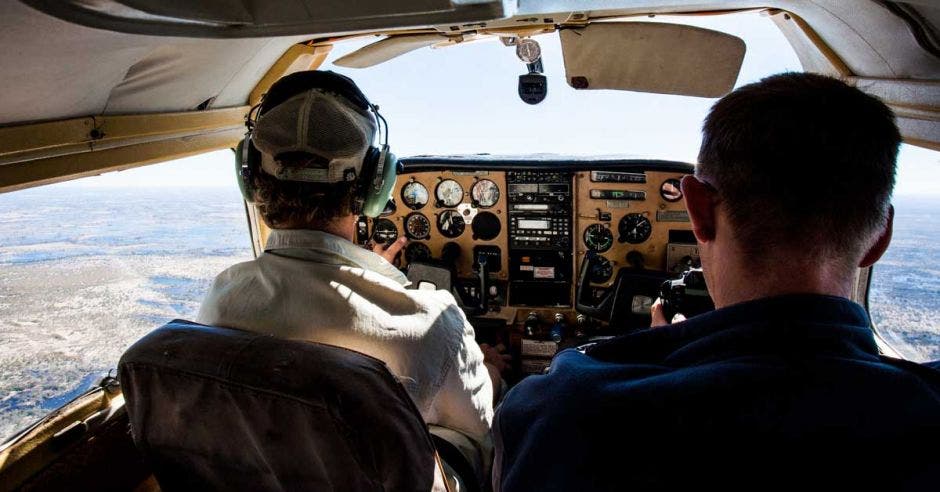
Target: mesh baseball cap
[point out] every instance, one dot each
(333, 126)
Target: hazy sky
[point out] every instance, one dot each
(463, 99)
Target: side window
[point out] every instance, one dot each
(904, 299)
(89, 266)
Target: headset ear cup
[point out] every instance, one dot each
(244, 169)
(379, 187)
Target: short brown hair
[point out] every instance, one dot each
(299, 205)
(802, 161)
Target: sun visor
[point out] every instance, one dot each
(652, 57)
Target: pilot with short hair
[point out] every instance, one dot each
(782, 387)
(318, 170)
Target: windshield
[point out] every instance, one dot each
(463, 99)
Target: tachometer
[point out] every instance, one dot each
(414, 195)
(449, 193)
(485, 193)
(601, 270)
(417, 226)
(634, 229)
(450, 223)
(384, 231)
(417, 252)
(598, 238)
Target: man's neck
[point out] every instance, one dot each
(344, 227)
(734, 282)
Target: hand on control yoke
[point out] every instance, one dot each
(390, 251)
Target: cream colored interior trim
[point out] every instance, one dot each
(385, 49)
(94, 133)
(297, 58)
(814, 54)
(50, 170)
(916, 105)
(44, 153)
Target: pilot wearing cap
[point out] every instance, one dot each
(311, 167)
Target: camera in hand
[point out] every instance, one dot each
(686, 295)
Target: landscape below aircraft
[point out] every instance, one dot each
(542, 252)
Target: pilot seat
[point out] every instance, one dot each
(222, 409)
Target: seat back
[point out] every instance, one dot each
(221, 409)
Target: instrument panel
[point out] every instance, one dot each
(555, 251)
(628, 224)
(446, 214)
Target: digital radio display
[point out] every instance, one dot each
(533, 224)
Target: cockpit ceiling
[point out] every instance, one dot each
(55, 69)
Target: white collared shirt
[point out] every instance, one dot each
(311, 285)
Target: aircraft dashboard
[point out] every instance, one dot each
(541, 254)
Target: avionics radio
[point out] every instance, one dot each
(540, 218)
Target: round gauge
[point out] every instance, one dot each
(634, 229)
(450, 223)
(417, 226)
(528, 50)
(598, 238)
(671, 190)
(414, 195)
(485, 226)
(390, 208)
(417, 252)
(485, 193)
(601, 270)
(448, 193)
(384, 231)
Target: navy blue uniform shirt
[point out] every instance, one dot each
(780, 393)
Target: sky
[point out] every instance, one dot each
(463, 99)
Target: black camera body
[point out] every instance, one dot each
(686, 295)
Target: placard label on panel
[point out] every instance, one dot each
(672, 216)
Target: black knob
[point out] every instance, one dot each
(635, 259)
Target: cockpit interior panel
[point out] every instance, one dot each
(542, 256)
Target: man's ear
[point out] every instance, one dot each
(881, 244)
(700, 200)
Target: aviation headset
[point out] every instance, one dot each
(379, 168)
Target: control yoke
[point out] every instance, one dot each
(585, 302)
